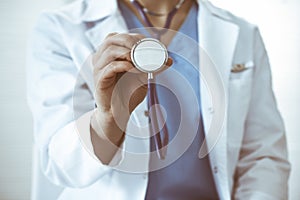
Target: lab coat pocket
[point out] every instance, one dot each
(240, 82)
(242, 71)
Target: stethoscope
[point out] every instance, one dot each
(150, 55)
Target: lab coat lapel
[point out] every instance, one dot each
(113, 23)
(218, 37)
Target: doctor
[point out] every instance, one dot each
(78, 56)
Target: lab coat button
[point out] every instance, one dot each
(215, 169)
(146, 113)
(211, 110)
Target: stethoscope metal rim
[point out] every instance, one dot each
(147, 40)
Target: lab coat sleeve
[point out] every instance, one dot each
(263, 169)
(51, 79)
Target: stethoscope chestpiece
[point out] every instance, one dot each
(149, 55)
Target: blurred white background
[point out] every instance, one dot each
(279, 22)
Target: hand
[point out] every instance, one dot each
(119, 89)
(111, 62)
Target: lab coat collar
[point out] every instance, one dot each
(112, 20)
(97, 9)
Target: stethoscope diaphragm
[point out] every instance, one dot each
(149, 55)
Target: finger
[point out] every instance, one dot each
(115, 67)
(111, 34)
(110, 54)
(125, 40)
(169, 62)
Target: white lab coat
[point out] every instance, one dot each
(249, 160)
